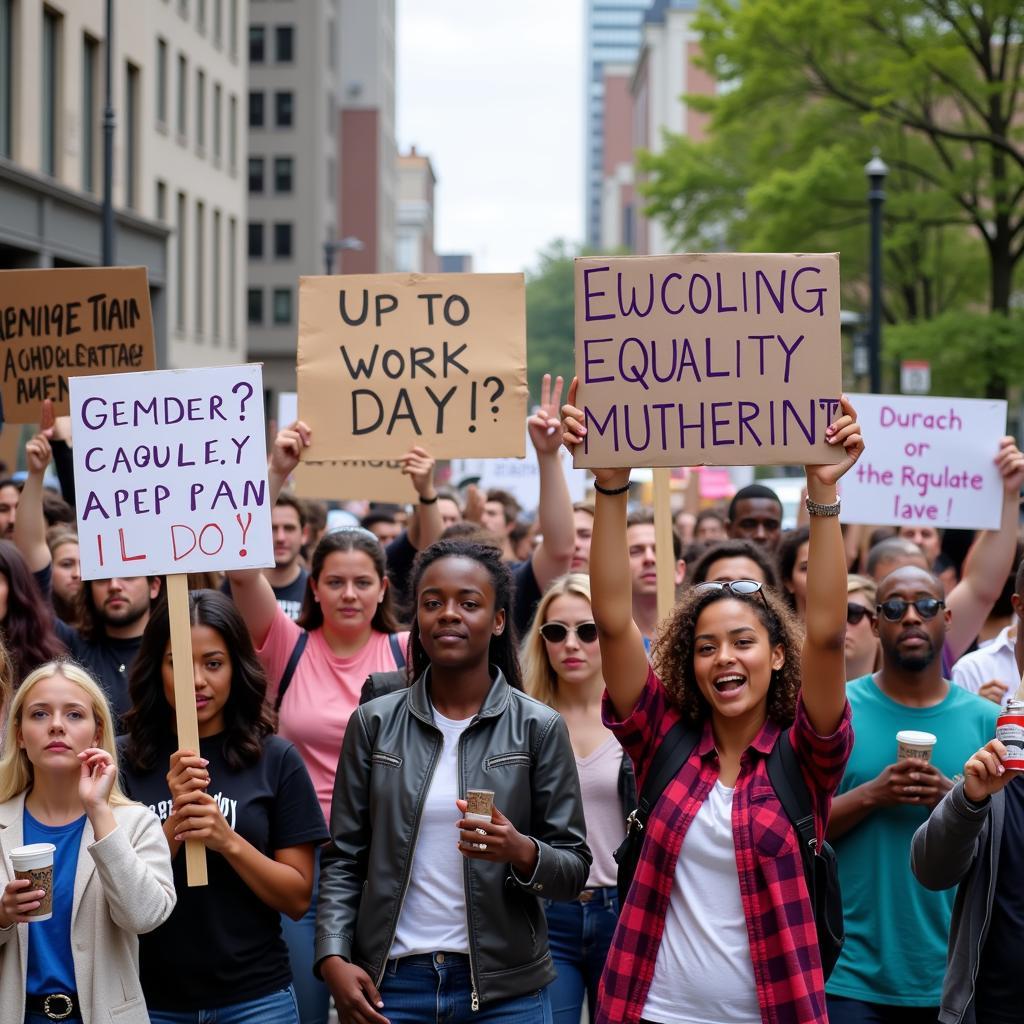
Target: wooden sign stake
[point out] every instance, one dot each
(663, 541)
(185, 700)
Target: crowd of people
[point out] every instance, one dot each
(639, 858)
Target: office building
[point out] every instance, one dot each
(414, 231)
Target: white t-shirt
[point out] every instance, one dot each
(995, 660)
(703, 973)
(433, 917)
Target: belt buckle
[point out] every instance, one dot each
(55, 1014)
(586, 896)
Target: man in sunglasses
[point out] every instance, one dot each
(893, 963)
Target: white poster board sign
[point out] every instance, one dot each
(520, 477)
(287, 408)
(927, 461)
(171, 472)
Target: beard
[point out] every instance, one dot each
(918, 661)
(128, 617)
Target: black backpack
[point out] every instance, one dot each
(821, 871)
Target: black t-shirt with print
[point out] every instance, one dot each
(224, 942)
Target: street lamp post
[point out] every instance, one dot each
(876, 171)
(107, 238)
(331, 246)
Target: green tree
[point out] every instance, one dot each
(550, 323)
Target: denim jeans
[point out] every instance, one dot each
(300, 936)
(277, 1008)
(437, 987)
(579, 932)
(856, 1011)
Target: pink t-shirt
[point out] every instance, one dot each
(322, 695)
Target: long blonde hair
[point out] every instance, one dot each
(16, 772)
(539, 678)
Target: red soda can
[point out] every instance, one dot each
(1010, 732)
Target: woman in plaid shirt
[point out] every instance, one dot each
(726, 932)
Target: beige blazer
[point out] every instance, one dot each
(123, 888)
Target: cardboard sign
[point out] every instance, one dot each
(724, 359)
(389, 361)
(171, 472)
(56, 324)
(369, 479)
(927, 461)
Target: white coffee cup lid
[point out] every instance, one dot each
(35, 855)
(912, 736)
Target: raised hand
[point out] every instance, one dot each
(1010, 463)
(845, 430)
(37, 450)
(544, 425)
(573, 432)
(418, 465)
(97, 778)
(288, 447)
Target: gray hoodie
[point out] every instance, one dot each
(959, 845)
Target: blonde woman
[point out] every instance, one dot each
(112, 867)
(863, 654)
(562, 667)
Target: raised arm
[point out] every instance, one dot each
(425, 524)
(622, 645)
(989, 561)
(30, 523)
(554, 508)
(823, 660)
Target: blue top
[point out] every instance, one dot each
(50, 964)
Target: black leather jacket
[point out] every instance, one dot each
(515, 746)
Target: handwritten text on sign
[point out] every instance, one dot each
(927, 461)
(389, 361)
(720, 359)
(55, 324)
(171, 472)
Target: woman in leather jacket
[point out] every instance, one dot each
(424, 914)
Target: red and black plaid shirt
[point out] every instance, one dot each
(780, 921)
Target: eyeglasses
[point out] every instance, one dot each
(855, 613)
(895, 608)
(556, 632)
(742, 588)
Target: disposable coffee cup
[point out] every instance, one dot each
(480, 807)
(35, 863)
(914, 744)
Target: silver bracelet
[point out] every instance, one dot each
(815, 508)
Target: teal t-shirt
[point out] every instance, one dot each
(896, 930)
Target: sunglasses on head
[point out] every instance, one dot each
(855, 613)
(895, 608)
(742, 588)
(556, 632)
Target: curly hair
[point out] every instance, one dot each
(673, 652)
(503, 647)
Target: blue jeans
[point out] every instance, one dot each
(437, 987)
(276, 1008)
(310, 992)
(855, 1011)
(580, 933)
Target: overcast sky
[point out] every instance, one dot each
(493, 94)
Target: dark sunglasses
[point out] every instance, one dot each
(556, 632)
(895, 608)
(742, 588)
(855, 613)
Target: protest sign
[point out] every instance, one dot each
(372, 479)
(174, 478)
(390, 361)
(724, 359)
(926, 461)
(56, 324)
(287, 409)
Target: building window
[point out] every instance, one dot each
(332, 114)
(256, 174)
(255, 240)
(232, 282)
(284, 44)
(284, 171)
(256, 113)
(200, 266)
(161, 201)
(332, 190)
(51, 88)
(131, 135)
(182, 119)
(218, 23)
(255, 303)
(282, 241)
(257, 43)
(284, 107)
(218, 121)
(179, 306)
(216, 275)
(201, 110)
(332, 45)
(161, 83)
(233, 134)
(6, 75)
(90, 64)
(282, 305)
(201, 16)
(183, 8)
(233, 32)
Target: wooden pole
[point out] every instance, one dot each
(185, 700)
(663, 541)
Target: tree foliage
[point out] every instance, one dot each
(550, 323)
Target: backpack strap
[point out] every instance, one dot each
(289, 669)
(790, 787)
(396, 650)
(672, 753)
